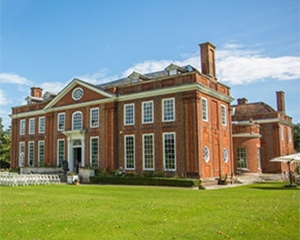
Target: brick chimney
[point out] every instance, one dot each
(208, 63)
(242, 101)
(280, 101)
(36, 92)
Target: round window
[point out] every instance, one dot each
(77, 94)
(225, 155)
(206, 154)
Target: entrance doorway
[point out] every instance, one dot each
(77, 158)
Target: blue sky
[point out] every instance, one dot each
(48, 43)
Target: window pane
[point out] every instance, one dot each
(22, 127)
(77, 121)
(94, 117)
(242, 157)
(148, 112)
(94, 152)
(168, 110)
(129, 152)
(61, 121)
(204, 109)
(31, 125)
(148, 152)
(129, 114)
(41, 153)
(169, 151)
(223, 115)
(42, 125)
(31, 154)
(61, 152)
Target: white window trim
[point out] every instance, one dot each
(125, 156)
(125, 115)
(153, 152)
(143, 112)
(21, 154)
(206, 110)
(22, 130)
(58, 117)
(175, 154)
(39, 150)
(91, 162)
(31, 130)
(73, 120)
(163, 110)
(30, 143)
(43, 130)
(57, 149)
(225, 115)
(91, 117)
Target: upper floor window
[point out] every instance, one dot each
(22, 126)
(223, 115)
(204, 109)
(77, 121)
(42, 125)
(61, 121)
(168, 113)
(290, 134)
(147, 112)
(282, 133)
(94, 117)
(129, 114)
(77, 94)
(31, 125)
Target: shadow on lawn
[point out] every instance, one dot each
(273, 186)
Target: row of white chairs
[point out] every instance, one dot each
(14, 179)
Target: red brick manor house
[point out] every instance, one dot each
(177, 121)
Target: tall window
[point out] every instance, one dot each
(94, 152)
(60, 151)
(129, 114)
(204, 109)
(77, 121)
(22, 126)
(129, 152)
(41, 153)
(242, 161)
(21, 154)
(148, 152)
(31, 154)
(206, 154)
(225, 155)
(94, 117)
(281, 132)
(147, 112)
(31, 125)
(42, 125)
(61, 121)
(169, 151)
(168, 107)
(223, 115)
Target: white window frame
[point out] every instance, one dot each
(240, 157)
(166, 150)
(94, 117)
(93, 154)
(41, 154)
(22, 126)
(31, 129)
(204, 110)
(75, 121)
(31, 153)
(166, 116)
(147, 117)
(125, 152)
(61, 121)
(60, 154)
(223, 115)
(42, 124)
(148, 153)
(21, 154)
(128, 119)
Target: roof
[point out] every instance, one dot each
(252, 109)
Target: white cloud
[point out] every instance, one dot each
(54, 87)
(13, 78)
(3, 99)
(98, 77)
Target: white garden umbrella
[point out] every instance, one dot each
(288, 159)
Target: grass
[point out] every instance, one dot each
(260, 211)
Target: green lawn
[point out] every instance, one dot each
(260, 211)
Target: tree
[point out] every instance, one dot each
(5, 145)
(296, 130)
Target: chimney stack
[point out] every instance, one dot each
(36, 92)
(280, 101)
(242, 101)
(208, 63)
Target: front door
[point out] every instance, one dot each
(77, 158)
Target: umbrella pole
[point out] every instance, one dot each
(290, 174)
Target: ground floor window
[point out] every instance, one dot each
(41, 153)
(242, 161)
(258, 158)
(169, 151)
(21, 154)
(60, 151)
(148, 152)
(129, 152)
(94, 152)
(31, 154)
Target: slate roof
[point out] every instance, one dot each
(252, 109)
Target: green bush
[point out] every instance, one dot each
(147, 181)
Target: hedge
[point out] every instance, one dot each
(147, 181)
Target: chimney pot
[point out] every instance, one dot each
(36, 92)
(242, 101)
